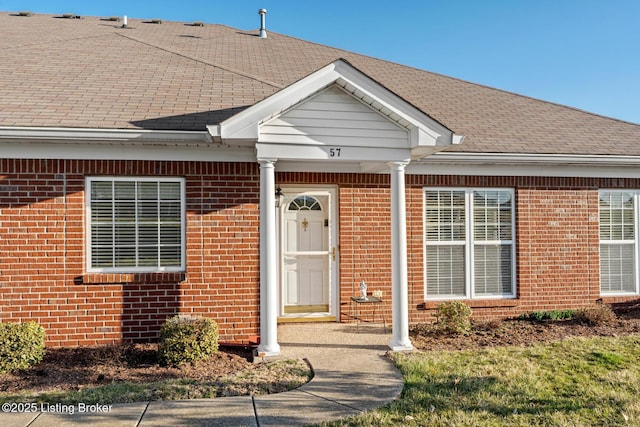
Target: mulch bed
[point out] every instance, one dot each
(66, 369)
(515, 332)
(75, 368)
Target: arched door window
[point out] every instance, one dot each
(305, 203)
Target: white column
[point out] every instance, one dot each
(268, 276)
(399, 291)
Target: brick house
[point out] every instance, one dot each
(174, 168)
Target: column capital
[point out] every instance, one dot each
(267, 162)
(398, 165)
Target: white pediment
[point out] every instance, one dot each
(336, 107)
(334, 117)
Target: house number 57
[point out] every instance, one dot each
(334, 152)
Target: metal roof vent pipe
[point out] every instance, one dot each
(263, 27)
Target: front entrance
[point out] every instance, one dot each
(308, 254)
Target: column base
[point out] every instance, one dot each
(273, 350)
(400, 345)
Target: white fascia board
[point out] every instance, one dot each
(517, 158)
(507, 164)
(117, 144)
(92, 151)
(104, 135)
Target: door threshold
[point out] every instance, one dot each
(306, 309)
(307, 317)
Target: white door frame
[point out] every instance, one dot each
(290, 192)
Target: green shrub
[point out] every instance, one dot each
(453, 317)
(551, 315)
(21, 345)
(187, 339)
(596, 315)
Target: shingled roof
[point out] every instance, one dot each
(91, 73)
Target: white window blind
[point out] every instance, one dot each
(445, 229)
(469, 243)
(493, 241)
(136, 224)
(618, 242)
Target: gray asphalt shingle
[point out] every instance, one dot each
(90, 73)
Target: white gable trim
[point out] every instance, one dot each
(425, 134)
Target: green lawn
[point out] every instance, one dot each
(576, 382)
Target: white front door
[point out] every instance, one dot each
(307, 253)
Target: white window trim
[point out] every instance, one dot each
(152, 269)
(635, 242)
(469, 244)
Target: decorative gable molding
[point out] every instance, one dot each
(265, 121)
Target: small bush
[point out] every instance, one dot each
(453, 318)
(551, 315)
(187, 339)
(596, 315)
(21, 345)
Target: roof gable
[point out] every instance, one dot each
(358, 92)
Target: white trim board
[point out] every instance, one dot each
(499, 164)
(95, 151)
(159, 137)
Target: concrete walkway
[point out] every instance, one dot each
(352, 375)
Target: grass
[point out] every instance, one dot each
(575, 382)
(122, 393)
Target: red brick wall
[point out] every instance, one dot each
(42, 274)
(365, 234)
(558, 248)
(557, 243)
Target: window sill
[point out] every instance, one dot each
(613, 299)
(478, 303)
(133, 278)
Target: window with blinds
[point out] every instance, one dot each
(135, 224)
(618, 242)
(469, 243)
